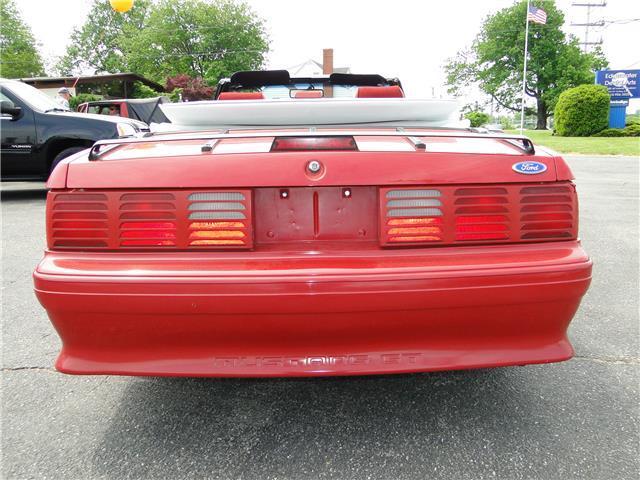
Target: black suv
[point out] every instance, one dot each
(37, 133)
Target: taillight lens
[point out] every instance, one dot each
(481, 213)
(411, 216)
(177, 220)
(548, 212)
(147, 220)
(448, 215)
(220, 219)
(77, 220)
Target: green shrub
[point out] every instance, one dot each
(506, 123)
(610, 132)
(632, 130)
(477, 119)
(81, 98)
(176, 95)
(582, 111)
(633, 119)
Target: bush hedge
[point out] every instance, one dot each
(582, 111)
(81, 98)
(140, 90)
(632, 130)
(477, 119)
(610, 132)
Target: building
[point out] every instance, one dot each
(311, 68)
(117, 85)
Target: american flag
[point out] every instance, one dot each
(537, 15)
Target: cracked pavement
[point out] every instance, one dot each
(574, 420)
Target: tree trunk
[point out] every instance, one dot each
(541, 114)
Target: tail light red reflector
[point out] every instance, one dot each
(84, 243)
(482, 214)
(548, 212)
(139, 216)
(147, 242)
(481, 236)
(77, 220)
(79, 224)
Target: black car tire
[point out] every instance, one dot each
(67, 152)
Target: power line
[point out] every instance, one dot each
(588, 24)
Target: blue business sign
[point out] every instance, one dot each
(622, 84)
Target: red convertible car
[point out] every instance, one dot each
(288, 235)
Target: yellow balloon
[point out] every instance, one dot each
(121, 5)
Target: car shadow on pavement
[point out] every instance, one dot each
(242, 428)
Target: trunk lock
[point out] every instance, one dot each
(314, 166)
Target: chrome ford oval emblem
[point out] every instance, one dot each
(314, 166)
(529, 168)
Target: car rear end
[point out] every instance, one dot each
(311, 252)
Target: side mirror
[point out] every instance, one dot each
(8, 108)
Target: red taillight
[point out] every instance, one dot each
(481, 213)
(177, 220)
(447, 215)
(77, 220)
(548, 212)
(294, 144)
(223, 219)
(139, 215)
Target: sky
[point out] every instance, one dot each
(408, 39)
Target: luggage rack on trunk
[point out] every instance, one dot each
(414, 135)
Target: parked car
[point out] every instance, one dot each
(143, 109)
(279, 84)
(37, 133)
(312, 245)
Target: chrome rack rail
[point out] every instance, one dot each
(415, 136)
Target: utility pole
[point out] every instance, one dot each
(588, 24)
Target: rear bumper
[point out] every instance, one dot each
(318, 313)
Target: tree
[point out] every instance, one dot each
(18, 54)
(98, 44)
(495, 60)
(191, 89)
(198, 38)
(141, 90)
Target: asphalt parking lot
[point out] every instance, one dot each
(574, 420)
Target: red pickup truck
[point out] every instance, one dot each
(316, 249)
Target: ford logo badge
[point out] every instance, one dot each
(529, 168)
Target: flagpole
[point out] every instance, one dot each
(524, 71)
